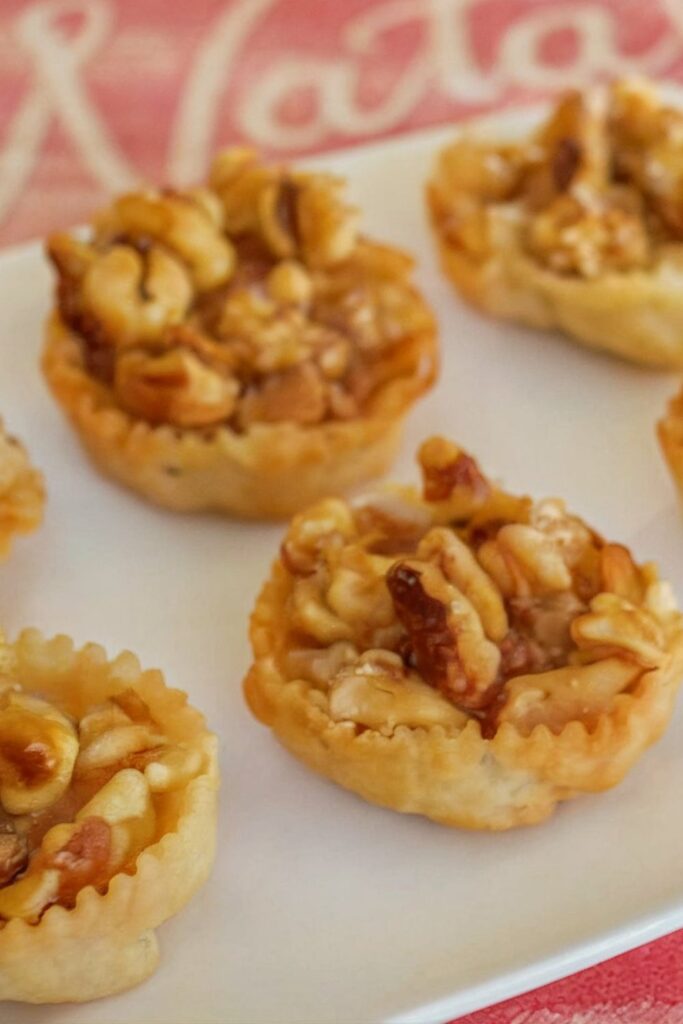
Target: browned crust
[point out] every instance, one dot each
(246, 475)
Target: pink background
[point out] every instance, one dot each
(96, 95)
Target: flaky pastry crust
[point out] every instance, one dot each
(22, 493)
(104, 941)
(577, 227)
(469, 656)
(210, 347)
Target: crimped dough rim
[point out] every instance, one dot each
(560, 765)
(165, 874)
(332, 456)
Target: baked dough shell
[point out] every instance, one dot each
(457, 778)
(269, 472)
(107, 943)
(637, 315)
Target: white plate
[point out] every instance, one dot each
(323, 908)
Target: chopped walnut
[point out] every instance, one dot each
(445, 634)
(238, 179)
(345, 597)
(186, 226)
(582, 222)
(121, 295)
(392, 520)
(451, 476)
(571, 693)
(296, 395)
(327, 525)
(290, 283)
(38, 749)
(82, 860)
(569, 153)
(173, 386)
(647, 142)
(460, 567)
(615, 624)
(573, 236)
(320, 666)
(376, 691)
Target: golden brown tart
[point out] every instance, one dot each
(577, 227)
(462, 653)
(212, 346)
(107, 817)
(22, 493)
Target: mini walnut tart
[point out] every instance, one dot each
(107, 817)
(22, 494)
(463, 654)
(578, 227)
(240, 346)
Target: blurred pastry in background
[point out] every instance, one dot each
(577, 227)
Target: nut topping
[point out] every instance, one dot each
(503, 607)
(252, 300)
(78, 797)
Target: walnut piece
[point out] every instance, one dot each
(38, 749)
(173, 386)
(446, 637)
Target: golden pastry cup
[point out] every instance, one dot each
(454, 776)
(22, 498)
(461, 652)
(269, 472)
(107, 942)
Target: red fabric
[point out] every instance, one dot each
(641, 987)
(96, 94)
